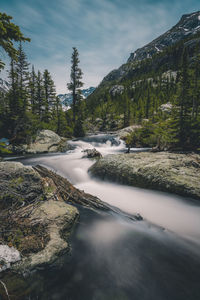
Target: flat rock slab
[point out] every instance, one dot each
(164, 171)
(59, 217)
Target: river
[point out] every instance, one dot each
(113, 257)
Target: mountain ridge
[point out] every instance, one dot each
(66, 99)
(187, 26)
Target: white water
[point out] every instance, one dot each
(174, 213)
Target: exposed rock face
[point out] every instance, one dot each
(66, 99)
(36, 215)
(166, 108)
(170, 172)
(188, 25)
(117, 90)
(4, 86)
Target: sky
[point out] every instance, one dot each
(105, 32)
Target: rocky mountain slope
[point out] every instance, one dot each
(188, 25)
(186, 29)
(66, 99)
(149, 79)
(4, 85)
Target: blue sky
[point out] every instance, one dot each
(104, 31)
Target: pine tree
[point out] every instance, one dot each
(32, 90)
(9, 33)
(49, 95)
(75, 83)
(22, 67)
(184, 103)
(40, 96)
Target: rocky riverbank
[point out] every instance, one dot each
(46, 141)
(38, 213)
(164, 171)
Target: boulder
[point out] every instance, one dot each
(37, 215)
(164, 171)
(8, 256)
(122, 133)
(45, 141)
(92, 153)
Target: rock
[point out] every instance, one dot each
(19, 184)
(187, 26)
(122, 133)
(8, 255)
(164, 171)
(117, 90)
(58, 217)
(36, 215)
(92, 153)
(45, 141)
(166, 108)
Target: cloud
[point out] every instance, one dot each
(104, 31)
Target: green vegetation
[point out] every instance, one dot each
(9, 33)
(74, 86)
(31, 103)
(161, 93)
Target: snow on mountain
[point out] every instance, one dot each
(66, 99)
(188, 25)
(4, 86)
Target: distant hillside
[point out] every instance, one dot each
(4, 86)
(186, 29)
(150, 77)
(66, 99)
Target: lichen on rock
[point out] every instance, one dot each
(164, 171)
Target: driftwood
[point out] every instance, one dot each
(68, 192)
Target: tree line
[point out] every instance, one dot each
(31, 103)
(141, 101)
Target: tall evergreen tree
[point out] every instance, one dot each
(49, 95)
(75, 82)
(32, 90)
(22, 69)
(40, 107)
(9, 32)
(184, 103)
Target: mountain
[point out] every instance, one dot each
(186, 29)
(188, 25)
(4, 86)
(66, 99)
(150, 78)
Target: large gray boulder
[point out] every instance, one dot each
(46, 141)
(33, 217)
(37, 215)
(164, 171)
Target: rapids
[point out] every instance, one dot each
(113, 257)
